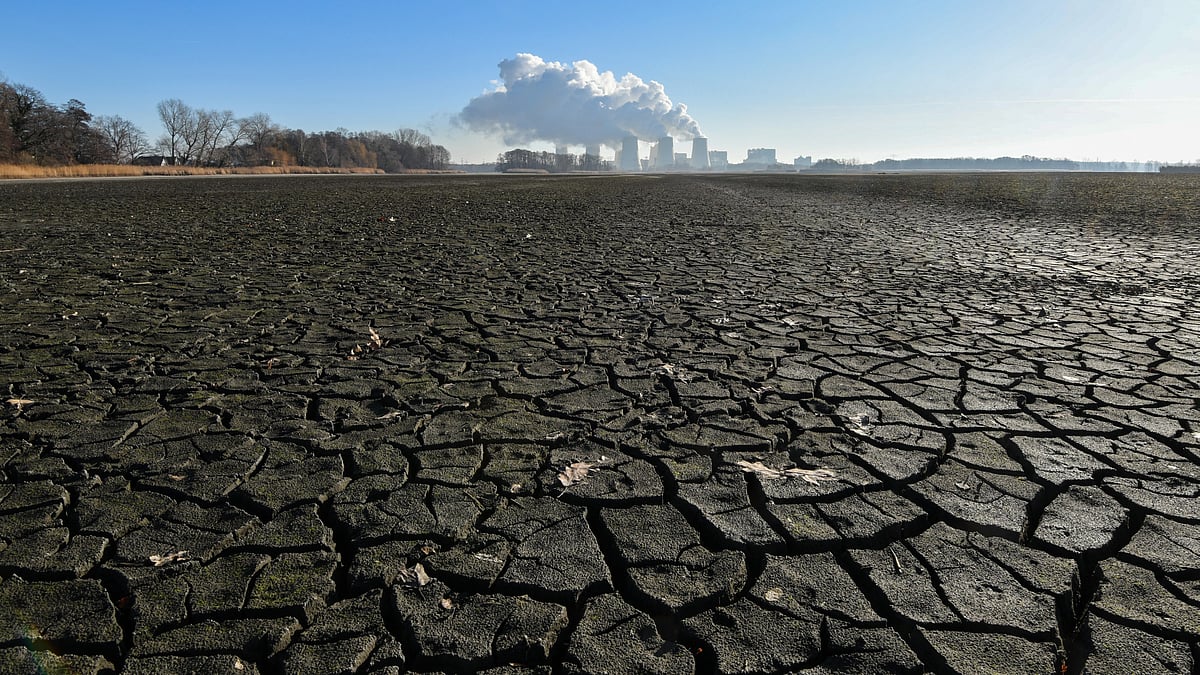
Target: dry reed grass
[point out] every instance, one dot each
(126, 170)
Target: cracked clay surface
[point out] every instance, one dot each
(412, 424)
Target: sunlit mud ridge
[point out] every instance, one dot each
(736, 424)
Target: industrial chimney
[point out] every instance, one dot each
(629, 154)
(700, 153)
(666, 153)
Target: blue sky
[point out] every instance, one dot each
(1059, 78)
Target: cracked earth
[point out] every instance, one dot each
(403, 424)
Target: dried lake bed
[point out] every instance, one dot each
(681, 423)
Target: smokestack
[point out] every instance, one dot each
(593, 150)
(666, 153)
(629, 154)
(700, 153)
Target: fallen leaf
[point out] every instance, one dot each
(174, 476)
(160, 560)
(773, 595)
(575, 472)
(446, 603)
(388, 416)
(376, 343)
(763, 471)
(962, 486)
(413, 577)
(237, 664)
(814, 476)
(20, 403)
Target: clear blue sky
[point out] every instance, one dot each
(1061, 78)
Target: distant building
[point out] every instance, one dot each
(718, 159)
(562, 150)
(803, 162)
(593, 150)
(765, 156)
(681, 159)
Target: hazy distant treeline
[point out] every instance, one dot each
(34, 131)
(522, 160)
(1023, 163)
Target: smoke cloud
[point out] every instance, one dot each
(538, 100)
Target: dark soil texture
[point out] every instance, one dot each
(544, 424)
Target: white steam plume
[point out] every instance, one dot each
(540, 100)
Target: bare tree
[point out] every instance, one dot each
(125, 140)
(259, 131)
(177, 118)
(221, 132)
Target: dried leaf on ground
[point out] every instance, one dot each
(390, 415)
(160, 560)
(374, 344)
(446, 603)
(672, 371)
(575, 472)
(413, 577)
(814, 476)
(20, 403)
(774, 594)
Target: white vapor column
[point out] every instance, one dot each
(574, 104)
(629, 154)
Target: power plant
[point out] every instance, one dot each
(665, 153)
(700, 153)
(627, 159)
(662, 156)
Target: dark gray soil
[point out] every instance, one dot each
(317, 424)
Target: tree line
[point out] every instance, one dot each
(35, 131)
(1023, 163)
(529, 160)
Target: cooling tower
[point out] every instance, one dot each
(666, 153)
(593, 150)
(562, 149)
(700, 153)
(629, 154)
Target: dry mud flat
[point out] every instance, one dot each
(385, 424)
